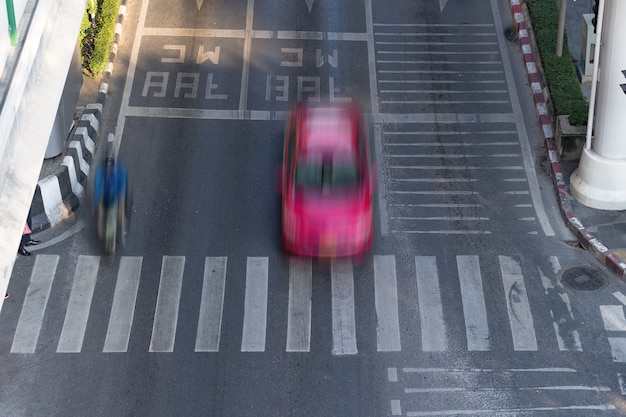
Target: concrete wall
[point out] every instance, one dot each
(32, 84)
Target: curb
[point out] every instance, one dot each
(586, 239)
(58, 195)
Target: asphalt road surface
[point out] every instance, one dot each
(474, 300)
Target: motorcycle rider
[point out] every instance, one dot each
(110, 189)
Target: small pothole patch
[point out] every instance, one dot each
(583, 278)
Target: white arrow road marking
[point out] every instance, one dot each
(309, 4)
(442, 4)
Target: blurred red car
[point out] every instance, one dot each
(327, 182)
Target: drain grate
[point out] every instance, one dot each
(583, 278)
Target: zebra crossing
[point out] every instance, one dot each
(393, 284)
(614, 322)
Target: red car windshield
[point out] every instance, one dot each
(327, 173)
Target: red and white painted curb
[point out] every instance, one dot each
(586, 239)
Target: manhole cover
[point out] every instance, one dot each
(583, 278)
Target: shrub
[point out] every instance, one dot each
(96, 36)
(561, 77)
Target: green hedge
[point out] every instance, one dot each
(560, 72)
(95, 38)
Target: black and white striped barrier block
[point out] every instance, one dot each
(58, 195)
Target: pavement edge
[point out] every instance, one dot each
(58, 195)
(610, 260)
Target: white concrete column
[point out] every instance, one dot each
(600, 180)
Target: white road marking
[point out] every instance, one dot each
(396, 408)
(457, 168)
(502, 389)
(518, 307)
(447, 218)
(247, 46)
(559, 301)
(168, 299)
(613, 318)
(436, 192)
(480, 370)
(622, 382)
(371, 55)
(429, 301)
(452, 156)
(130, 74)
(452, 385)
(435, 180)
(35, 302)
(445, 232)
(528, 155)
(618, 348)
(255, 34)
(211, 305)
(77, 314)
(510, 411)
(75, 228)
(123, 307)
(620, 296)
(473, 300)
(255, 309)
(386, 301)
(344, 326)
(381, 187)
(299, 309)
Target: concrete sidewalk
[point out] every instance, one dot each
(609, 227)
(602, 232)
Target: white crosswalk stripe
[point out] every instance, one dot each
(77, 313)
(211, 305)
(560, 309)
(388, 326)
(421, 291)
(429, 297)
(517, 304)
(474, 308)
(299, 309)
(255, 312)
(166, 313)
(34, 307)
(123, 308)
(344, 326)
